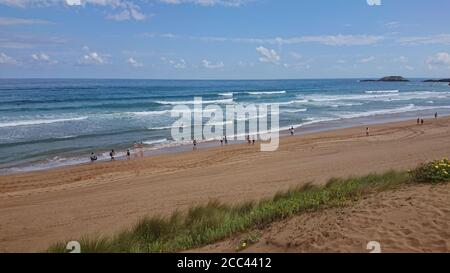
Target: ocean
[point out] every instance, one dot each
(47, 123)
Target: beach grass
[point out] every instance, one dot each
(216, 221)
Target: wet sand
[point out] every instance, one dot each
(39, 208)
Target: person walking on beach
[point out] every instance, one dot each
(93, 158)
(253, 140)
(248, 140)
(435, 115)
(128, 154)
(226, 140)
(195, 144)
(141, 149)
(112, 154)
(367, 131)
(292, 130)
(221, 142)
(422, 121)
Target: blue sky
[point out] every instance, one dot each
(224, 39)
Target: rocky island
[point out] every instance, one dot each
(441, 80)
(388, 79)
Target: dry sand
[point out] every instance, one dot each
(39, 208)
(413, 219)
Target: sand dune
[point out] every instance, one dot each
(413, 219)
(40, 208)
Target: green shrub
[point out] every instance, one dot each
(432, 172)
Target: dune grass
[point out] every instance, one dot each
(215, 221)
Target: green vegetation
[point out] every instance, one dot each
(203, 225)
(432, 172)
(215, 221)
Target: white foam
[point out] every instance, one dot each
(420, 95)
(153, 142)
(229, 94)
(404, 109)
(387, 95)
(267, 93)
(223, 101)
(382, 92)
(296, 110)
(148, 113)
(291, 102)
(328, 98)
(38, 122)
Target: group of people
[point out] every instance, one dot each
(292, 130)
(422, 121)
(139, 147)
(140, 152)
(250, 141)
(224, 140)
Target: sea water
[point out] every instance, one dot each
(47, 123)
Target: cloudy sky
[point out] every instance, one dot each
(224, 39)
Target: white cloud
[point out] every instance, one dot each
(5, 59)
(43, 58)
(207, 64)
(227, 3)
(366, 60)
(10, 21)
(268, 55)
(121, 16)
(374, 2)
(129, 10)
(178, 64)
(330, 40)
(443, 39)
(18, 41)
(401, 59)
(300, 66)
(246, 64)
(181, 64)
(40, 57)
(74, 2)
(441, 59)
(339, 40)
(93, 58)
(296, 56)
(392, 24)
(404, 62)
(131, 61)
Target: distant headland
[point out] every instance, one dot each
(441, 80)
(388, 79)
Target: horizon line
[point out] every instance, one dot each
(203, 79)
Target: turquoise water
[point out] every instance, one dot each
(48, 123)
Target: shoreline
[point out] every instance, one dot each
(44, 207)
(301, 129)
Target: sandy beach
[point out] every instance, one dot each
(40, 208)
